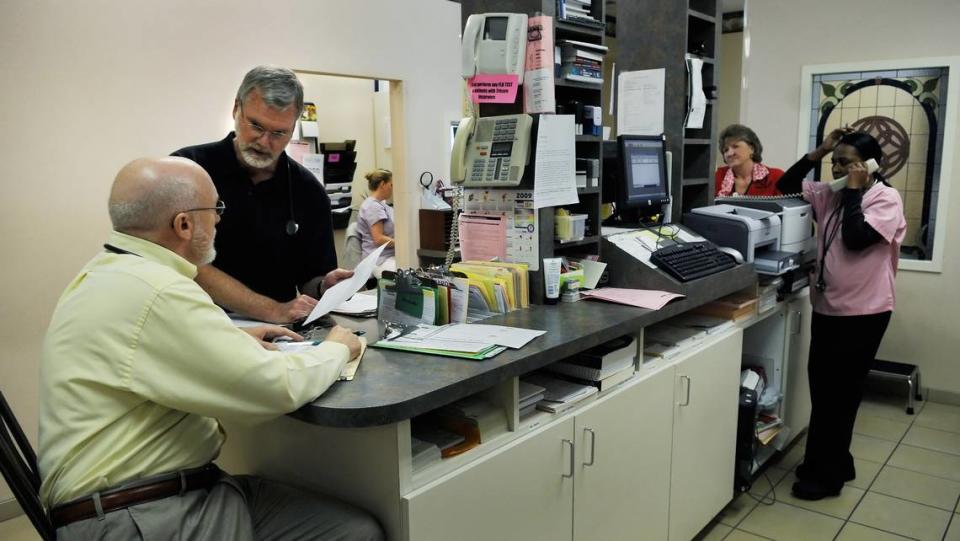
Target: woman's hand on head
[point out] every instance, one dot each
(832, 139)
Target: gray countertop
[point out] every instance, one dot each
(391, 385)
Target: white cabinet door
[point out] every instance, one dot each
(797, 398)
(704, 435)
(518, 492)
(623, 463)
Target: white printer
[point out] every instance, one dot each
(744, 229)
(796, 220)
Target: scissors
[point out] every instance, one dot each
(428, 176)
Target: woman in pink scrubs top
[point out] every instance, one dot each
(859, 232)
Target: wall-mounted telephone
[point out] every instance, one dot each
(495, 43)
(841, 183)
(491, 151)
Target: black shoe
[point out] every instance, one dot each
(803, 474)
(813, 491)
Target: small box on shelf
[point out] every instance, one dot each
(571, 227)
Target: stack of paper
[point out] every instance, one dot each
(530, 394)
(602, 366)
(469, 341)
(560, 395)
(489, 419)
(735, 306)
(427, 431)
(424, 453)
(653, 349)
(641, 298)
(710, 324)
(362, 304)
(768, 426)
(671, 336)
(495, 287)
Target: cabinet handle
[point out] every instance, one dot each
(593, 442)
(686, 400)
(570, 475)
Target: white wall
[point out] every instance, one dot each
(344, 111)
(88, 86)
(730, 74)
(785, 35)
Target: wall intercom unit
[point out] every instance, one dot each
(495, 43)
(491, 151)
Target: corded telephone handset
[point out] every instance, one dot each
(491, 151)
(494, 43)
(841, 183)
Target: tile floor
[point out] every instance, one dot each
(907, 486)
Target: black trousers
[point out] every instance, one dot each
(842, 351)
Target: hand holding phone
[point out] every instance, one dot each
(841, 183)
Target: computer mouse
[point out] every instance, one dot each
(734, 253)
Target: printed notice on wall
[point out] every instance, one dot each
(697, 106)
(493, 88)
(640, 102)
(538, 95)
(555, 181)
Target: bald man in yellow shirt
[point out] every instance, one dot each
(139, 366)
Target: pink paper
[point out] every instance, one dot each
(539, 43)
(296, 149)
(493, 88)
(333, 158)
(642, 298)
(538, 80)
(483, 238)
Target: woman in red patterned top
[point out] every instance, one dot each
(744, 174)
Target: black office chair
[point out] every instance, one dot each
(18, 463)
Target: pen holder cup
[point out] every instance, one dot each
(571, 227)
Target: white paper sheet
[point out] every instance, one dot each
(309, 128)
(592, 271)
(640, 97)
(697, 106)
(555, 181)
(314, 164)
(336, 295)
(500, 335)
(358, 304)
(348, 371)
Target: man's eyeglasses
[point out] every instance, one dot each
(220, 208)
(274, 135)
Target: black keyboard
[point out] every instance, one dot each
(692, 260)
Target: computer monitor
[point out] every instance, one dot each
(635, 179)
